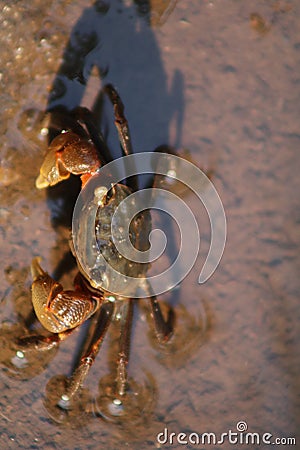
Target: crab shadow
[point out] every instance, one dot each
(113, 43)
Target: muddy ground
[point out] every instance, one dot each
(220, 79)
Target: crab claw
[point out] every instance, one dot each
(56, 309)
(68, 153)
(51, 171)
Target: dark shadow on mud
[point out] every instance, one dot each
(113, 43)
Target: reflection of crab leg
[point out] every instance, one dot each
(56, 309)
(163, 328)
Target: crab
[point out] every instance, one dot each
(80, 149)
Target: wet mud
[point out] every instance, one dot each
(220, 84)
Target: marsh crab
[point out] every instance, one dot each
(80, 149)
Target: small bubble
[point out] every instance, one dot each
(20, 354)
(19, 52)
(44, 131)
(64, 402)
(19, 360)
(116, 407)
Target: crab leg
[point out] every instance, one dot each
(40, 342)
(124, 346)
(122, 127)
(99, 327)
(120, 119)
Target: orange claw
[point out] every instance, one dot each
(68, 153)
(56, 309)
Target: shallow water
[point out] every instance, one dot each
(223, 86)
